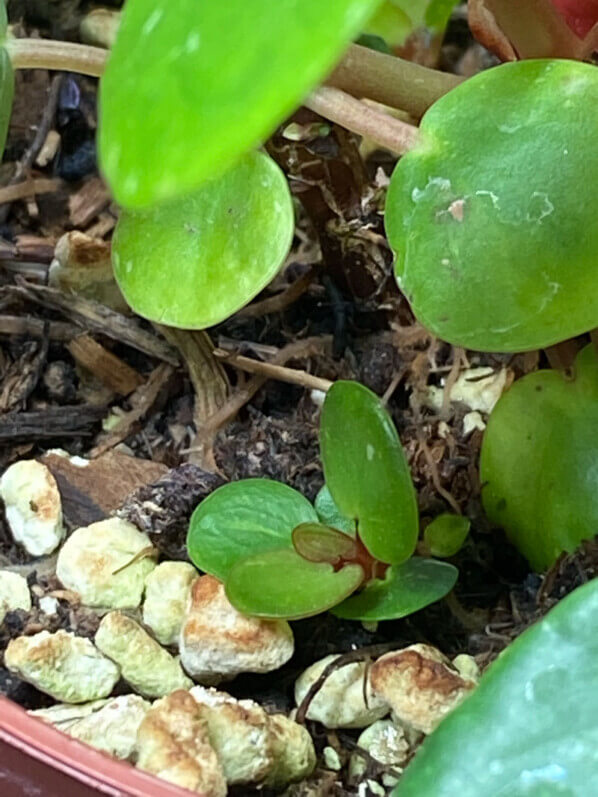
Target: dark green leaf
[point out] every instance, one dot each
(366, 471)
(283, 584)
(245, 518)
(445, 535)
(329, 514)
(194, 261)
(495, 236)
(406, 589)
(539, 461)
(530, 726)
(191, 86)
(319, 543)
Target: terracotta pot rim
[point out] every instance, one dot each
(76, 760)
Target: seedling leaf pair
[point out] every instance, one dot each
(278, 557)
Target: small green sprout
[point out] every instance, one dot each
(279, 556)
(538, 466)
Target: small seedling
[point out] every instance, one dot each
(279, 556)
(538, 462)
(445, 535)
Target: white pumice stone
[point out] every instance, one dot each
(32, 506)
(166, 596)
(218, 642)
(340, 702)
(173, 744)
(421, 685)
(106, 564)
(293, 752)
(48, 604)
(14, 593)
(65, 715)
(239, 732)
(384, 741)
(144, 664)
(67, 667)
(252, 745)
(113, 727)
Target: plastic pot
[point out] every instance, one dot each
(36, 760)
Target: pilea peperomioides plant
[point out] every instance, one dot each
(360, 535)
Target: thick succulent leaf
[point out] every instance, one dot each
(190, 87)
(445, 535)
(539, 461)
(7, 87)
(319, 543)
(406, 589)
(530, 726)
(244, 518)
(494, 236)
(366, 471)
(283, 584)
(194, 261)
(329, 513)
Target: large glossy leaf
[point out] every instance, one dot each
(406, 589)
(539, 462)
(191, 86)
(366, 471)
(529, 729)
(245, 518)
(194, 261)
(283, 584)
(494, 236)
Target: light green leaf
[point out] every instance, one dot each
(539, 462)
(529, 728)
(316, 542)
(495, 236)
(445, 535)
(245, 518)
(190, 87)
(281, 584)
(195, 261)
(406, 589)
(366, 471)
(7, 88)
(438, 13)
(329, 513)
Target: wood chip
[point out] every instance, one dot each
(31, 327)
(88, 202)
(76, 421)
(98, 318)
(105, 365)
(91, 492)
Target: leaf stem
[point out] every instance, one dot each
(63, 56)
(392, 81)
(345, 110)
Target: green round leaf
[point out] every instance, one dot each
(529, 728)
(445, 535)
(495, 238)
(539, 461)
(366, 471)
(329, 513)
(281, 584)
(190, 87)
(406, 589)
(195, 261)
(245, 518)
(319, 543)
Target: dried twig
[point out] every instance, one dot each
(36, 328)
(28, 188)
(77, 421)
(278, 303)
(105, 365)
(98, 318)
(291, 375)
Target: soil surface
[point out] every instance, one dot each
(334, 312)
